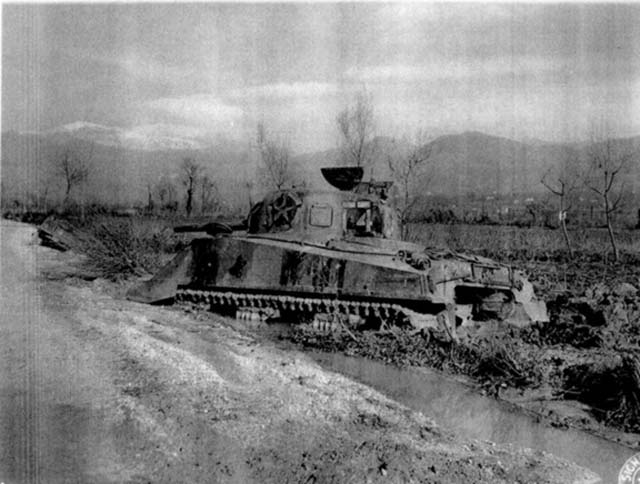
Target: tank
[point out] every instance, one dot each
(334, 259)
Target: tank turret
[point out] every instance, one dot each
(356, 209)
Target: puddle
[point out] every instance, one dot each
(460, 408)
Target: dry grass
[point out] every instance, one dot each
(521, 243)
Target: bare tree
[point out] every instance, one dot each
(562, 185)
(150, 202)
(73, 168)
(248, 185)
(607, 161)
(275, 155)
(4, 194)
(208, 194)
(167, 194)
(38, 200)
(190, 175)
(408, 167)
(356, 128)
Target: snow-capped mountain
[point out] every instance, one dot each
(151, 137)
(86, 131)
(122, 163)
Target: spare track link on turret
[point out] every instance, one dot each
(304, 308)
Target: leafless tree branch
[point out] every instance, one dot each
(607, 161)
(190, 176)
(73, 167)
(276, 159)
(562, 186)
(356, 128)
(408, 168)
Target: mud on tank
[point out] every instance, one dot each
(334, 258)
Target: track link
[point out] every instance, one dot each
(376, 315)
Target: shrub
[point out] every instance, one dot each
(119, 247)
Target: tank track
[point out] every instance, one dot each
(323, 313)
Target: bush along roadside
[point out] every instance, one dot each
(115, 247)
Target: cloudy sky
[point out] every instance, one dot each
(523, 71)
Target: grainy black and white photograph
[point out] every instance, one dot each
(351, 242)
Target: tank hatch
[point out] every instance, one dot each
(344, 178)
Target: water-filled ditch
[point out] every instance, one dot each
(458, 407)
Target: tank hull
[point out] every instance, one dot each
(266, 275)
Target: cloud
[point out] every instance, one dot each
(202, 110)
(137, 65)
(285, 90)
(457, 70)
(406, 26)
(414, 13)
(301, 112)
(146, 68)
(287, 108)
(165, 130)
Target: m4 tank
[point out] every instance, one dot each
(334, 257)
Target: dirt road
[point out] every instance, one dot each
(97, 389)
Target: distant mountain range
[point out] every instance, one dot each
(481, 164)
(123, 163)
